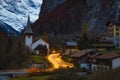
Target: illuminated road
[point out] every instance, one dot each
(57, 62)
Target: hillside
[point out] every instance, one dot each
(68, 17)
(7, 29)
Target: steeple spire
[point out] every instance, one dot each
(28, 29)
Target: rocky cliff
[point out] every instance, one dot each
(49, 5)
(68, 17)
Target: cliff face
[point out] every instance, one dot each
(68, 17)
(49, 5)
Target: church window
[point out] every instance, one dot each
(29, 36)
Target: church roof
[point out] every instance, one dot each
(28, 29)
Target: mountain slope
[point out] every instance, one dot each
(68, 17)
(49, 5)
(15, 12)
(63, 19)
(7, 29)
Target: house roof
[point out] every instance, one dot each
(81, 53)
(108, 56)
(94, 55)
(71, 43)
(28, 29)
(39, 42)
(111, 23)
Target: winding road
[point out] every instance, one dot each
(57, 62)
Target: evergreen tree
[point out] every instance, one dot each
(13, 53)
(84, 28)
(83, 42)
(45, 37)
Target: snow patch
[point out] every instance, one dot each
(15, 12)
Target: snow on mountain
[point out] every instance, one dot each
(15, 12)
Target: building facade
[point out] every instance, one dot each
(114, 33)
(104, 62)
(69, 47)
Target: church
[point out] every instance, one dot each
(33, 45)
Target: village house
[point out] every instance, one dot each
(113, 33)
(28, 33)
(82, 58)
(103, 44)
(69, 47)
(104, 62)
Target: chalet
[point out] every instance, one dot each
(82, 58)
(104, 62)
(28, 33)
(70, 47)
(113, 32)
(104, 44)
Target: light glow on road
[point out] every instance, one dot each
(57, 62)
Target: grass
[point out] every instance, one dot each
(109, 75)
(65, 75)
(32, 78)
(38, 59)
(41, 59)
(67, 58)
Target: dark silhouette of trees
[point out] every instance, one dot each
(13, 53)
(85, 41)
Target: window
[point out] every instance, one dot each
(117, 33)
(94, 60)
(117, 29)
(117, 45)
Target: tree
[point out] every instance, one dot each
(13, 53)
(45, 37)
(83, 42)
(84, 28)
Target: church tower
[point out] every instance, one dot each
(28, 34)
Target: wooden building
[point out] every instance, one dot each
(104, 62)
(82, 58)
(113, 32)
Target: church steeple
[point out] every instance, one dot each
(28, 29)
(28, 34)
